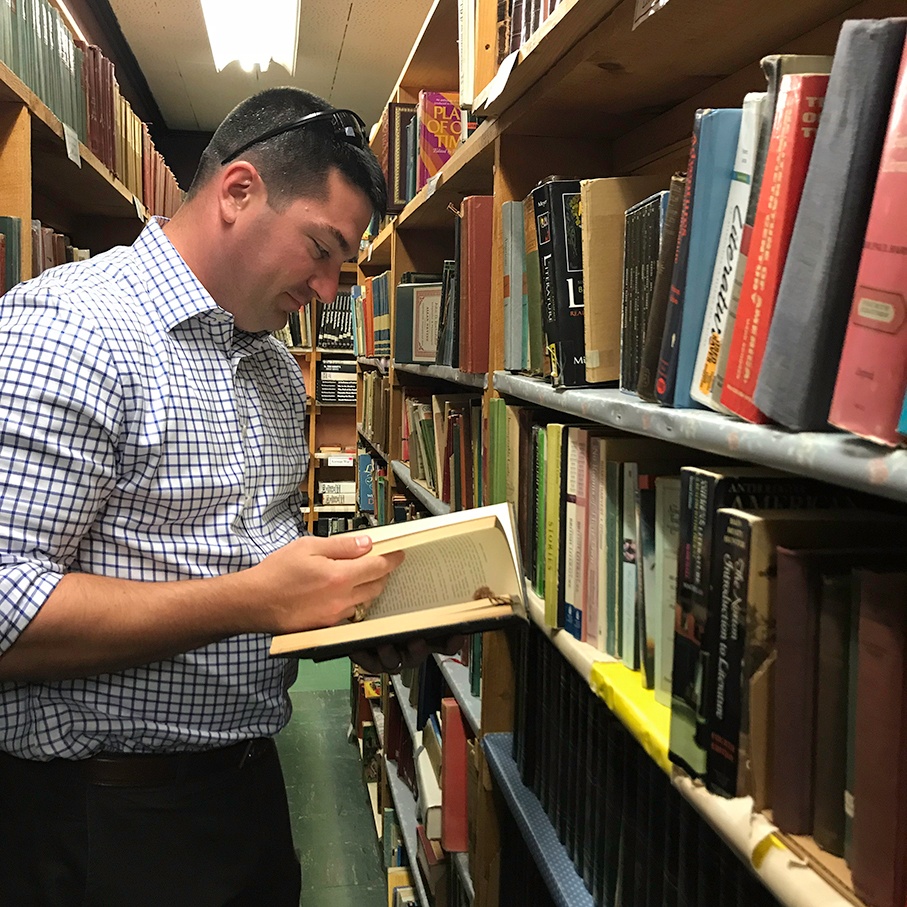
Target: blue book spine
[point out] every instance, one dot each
(719, 131)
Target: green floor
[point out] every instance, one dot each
(332, 819)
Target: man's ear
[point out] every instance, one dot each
(239, 187)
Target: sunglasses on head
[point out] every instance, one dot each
(346, 126)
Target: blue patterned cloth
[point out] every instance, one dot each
(143, 437)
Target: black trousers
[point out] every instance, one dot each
(222, 841)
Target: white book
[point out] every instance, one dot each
(718, 322)
(667, 542)
(344, 487)
(429, 795)
(466, 40)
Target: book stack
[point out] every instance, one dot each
(336, 381)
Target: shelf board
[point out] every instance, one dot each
(376, 256)
(566, 887)
(433, 62)
(457, 676)
(429, 501)
(830, 456)
(405, 807)
(445, 373)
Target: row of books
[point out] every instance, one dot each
(443, 443)
(751, 601)
(78, 83)
(335, 324)
(413, 141)
(297, 332)
(631, 836)
(335, 381)
(523, 20)
(761, 282)
(50, 248)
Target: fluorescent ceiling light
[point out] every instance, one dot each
(254, 33)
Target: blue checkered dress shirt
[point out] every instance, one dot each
(143, 437)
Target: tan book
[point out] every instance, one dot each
(462, 573)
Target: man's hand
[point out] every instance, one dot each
(391, 659)
(317, 582)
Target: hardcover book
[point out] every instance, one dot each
(560, 248)
(440, 125)
(706, 384)
(807, 331)
(872, 374)
(793, 135)
(417, 308)
(392, 152)
(719, 131)
(476, 584)
(475, 282)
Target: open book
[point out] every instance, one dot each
(462, 573)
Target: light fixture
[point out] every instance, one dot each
(267, 32)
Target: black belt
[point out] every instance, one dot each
(154, 769)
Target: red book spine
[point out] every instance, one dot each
(454, 825)
(475, 312)
(872, 374)
(793, 136)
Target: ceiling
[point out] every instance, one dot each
(350, 53)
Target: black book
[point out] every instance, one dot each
(658, 307)
(666, 373)
(560, 241)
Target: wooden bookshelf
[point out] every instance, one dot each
(596, 93)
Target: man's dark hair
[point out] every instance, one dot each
(294, 164)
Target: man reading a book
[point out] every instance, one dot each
(152, 449)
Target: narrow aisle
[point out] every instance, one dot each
(332, 819)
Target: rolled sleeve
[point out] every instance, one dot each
(60, 407)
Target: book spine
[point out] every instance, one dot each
(629, 556)
(793, 137)
(593, 583)
(872, 375)
(667, 526)
(666, 372)
(731, 575)
(553, 523)
(728, 252)
(655, 323)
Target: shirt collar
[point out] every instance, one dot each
(180, 294)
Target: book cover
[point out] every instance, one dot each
(719, 132)
(560, 247)
(658, 306)
(807, 331)
(440, 125)
(872, 374)
(800, 103)
(474, 563)
(417, 308)
(604, 202)
(704, 388)
(879, 863)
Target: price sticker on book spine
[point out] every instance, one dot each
(72, 145)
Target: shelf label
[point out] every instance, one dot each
(72, 145)
(139, 208)
(646, 8)
(431, 185)
(341, 460)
